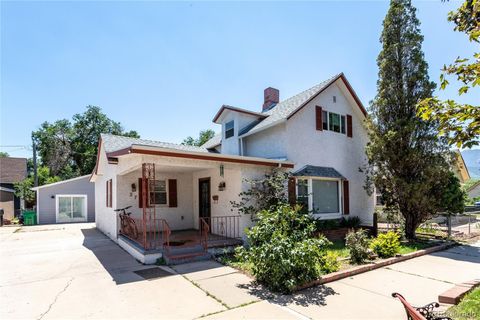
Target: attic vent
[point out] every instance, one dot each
(334, 99)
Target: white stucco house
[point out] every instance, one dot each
(174, 190)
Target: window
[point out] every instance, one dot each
(229, 129)
(333, 122)
(320, 196)
(71, 208)
(325, 196)
(158, 193)
(302, 192)
(108, 193)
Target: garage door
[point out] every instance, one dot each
(71, 208)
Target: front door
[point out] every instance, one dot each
(204, 198)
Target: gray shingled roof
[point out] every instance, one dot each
(213, 142)
(114, 143)
(12, 169)
(280, 112)
(314, 171)
(286, 107)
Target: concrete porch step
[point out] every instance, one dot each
(172, 259)
(185, 249)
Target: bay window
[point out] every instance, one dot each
(321, 196)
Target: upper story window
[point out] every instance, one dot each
(229, 129)
(333, 122)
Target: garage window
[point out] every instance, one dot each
(71, 208)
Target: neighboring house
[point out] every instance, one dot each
(474, 190)
(66, 201)
(460, 169)
(318, 135)
(12, 170)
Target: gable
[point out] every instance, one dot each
(341, 82)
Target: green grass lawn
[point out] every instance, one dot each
(405, 247)
(468, 308)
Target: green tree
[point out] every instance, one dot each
(87, 128)
(460, 123)
(23, 188)
(203, 137)
(69, 149)
(407, 161)
(4, 155)
(53, 142)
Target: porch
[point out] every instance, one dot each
(157, 236)
(176, 211)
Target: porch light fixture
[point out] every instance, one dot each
(134, 187)
(222, 170)
(221, 186)
(215, 198)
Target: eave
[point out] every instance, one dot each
(147, 150)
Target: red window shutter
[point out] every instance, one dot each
(318, 118)
(106, 194)
(292, 192)
(172, 193)
(346, 198)
(140, 193)
(349, 126)
(110, 192)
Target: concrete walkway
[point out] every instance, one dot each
(73, 271)
(368, 295)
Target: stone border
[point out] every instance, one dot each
(456, 293)
(372, 266)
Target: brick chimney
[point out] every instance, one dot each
(271, 98)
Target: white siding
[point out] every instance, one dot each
(179, 217)
(307, 146)
(269, 143)
(106, 218)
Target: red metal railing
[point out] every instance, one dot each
(204, 231)
(224, 226)
(156, 233)
(166, 232)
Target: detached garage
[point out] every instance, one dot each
(66, 201)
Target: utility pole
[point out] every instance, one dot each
(35, 175)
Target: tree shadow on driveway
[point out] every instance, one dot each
(312, 296)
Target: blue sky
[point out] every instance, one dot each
(165, 68)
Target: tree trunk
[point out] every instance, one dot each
(410, 226)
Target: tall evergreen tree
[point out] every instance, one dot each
(407, 162)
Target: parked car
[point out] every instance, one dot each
(477, 204)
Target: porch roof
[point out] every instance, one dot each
(315, 171)
(116, 146)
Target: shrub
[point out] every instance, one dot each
(329, 262)
(357, 243)
(328, 224)
(350, 222)
(283, 253)
(386, 244)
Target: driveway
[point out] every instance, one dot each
(74, 271)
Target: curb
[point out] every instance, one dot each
(372, 266)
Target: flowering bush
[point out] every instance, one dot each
(386, 244)
(357, 243)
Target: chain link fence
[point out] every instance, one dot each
(459, 226)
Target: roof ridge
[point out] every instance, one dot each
(147, 140)
(319, 85)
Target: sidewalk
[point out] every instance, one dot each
(365, 296)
